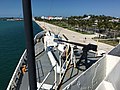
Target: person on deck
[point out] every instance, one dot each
(24, 69)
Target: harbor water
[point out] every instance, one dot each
(12, 45)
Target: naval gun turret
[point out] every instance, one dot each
(85, 50)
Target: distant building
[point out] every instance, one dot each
(96, 22)
(114, 20)
(58, 18)
(42, 17)
(86, 18)
(52, 17)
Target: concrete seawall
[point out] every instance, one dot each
(74, 36)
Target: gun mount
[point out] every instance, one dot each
(85, 50)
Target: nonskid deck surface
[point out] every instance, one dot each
(115, 51)
(43, 66)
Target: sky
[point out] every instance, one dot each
(13, 8)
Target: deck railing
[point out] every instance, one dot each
(17, 75)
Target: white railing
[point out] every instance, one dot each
(12, 84)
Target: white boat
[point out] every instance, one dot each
(63, 65)
(51, 67)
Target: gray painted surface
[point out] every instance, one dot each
(90, 79)
(87, 81)
(114, 77)
(24, 83)
(115, 51)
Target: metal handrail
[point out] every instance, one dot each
(14, 76)
(66, 61)
(67, 66)
(12, 81)
(46, 77)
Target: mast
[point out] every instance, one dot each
(27, 12)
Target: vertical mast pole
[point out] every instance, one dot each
(27, 12)
(56, 76)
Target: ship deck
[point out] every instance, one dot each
(43, 66)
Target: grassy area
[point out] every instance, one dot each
(110, 42)
(69, 27)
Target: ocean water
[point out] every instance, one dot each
(12, 45)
